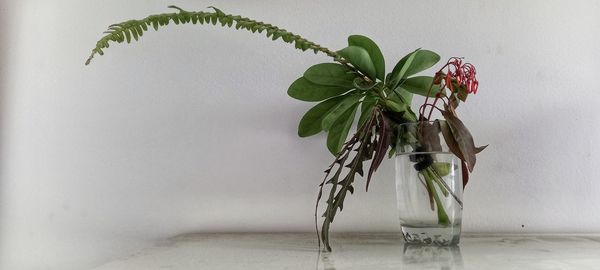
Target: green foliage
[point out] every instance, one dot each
(305, 90)
(411, 64)
(374, 53)
(395, 106)
(125, 31)
(331, 74)
(339, 110)
(420, 85)
(339, 130)
(312, 119)
(360, 59)
(358, 79)
(366, 109)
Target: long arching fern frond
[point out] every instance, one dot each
(134, 29)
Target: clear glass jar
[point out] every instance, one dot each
(429, 185)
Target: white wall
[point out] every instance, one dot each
(191, 129)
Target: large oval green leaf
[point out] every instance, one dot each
(330, 74)
(312, 119)
(340, 129)
(413, 63)
(420, 85)
(360, 59)
(339, 110)
(306, 90)
(374, 52)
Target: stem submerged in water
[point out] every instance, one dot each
(441, 212)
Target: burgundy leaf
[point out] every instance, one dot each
(430, 137)
(383, 143)
(465, 174)
(463, 139)
(449, 138)
(480, 148)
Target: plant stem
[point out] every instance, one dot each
(442, 216)
(438, 180)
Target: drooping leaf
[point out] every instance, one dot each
(449, 138)
(384, 134)
(361, 144)
(312, 119)
(411, 64)
(122, 32)
(465, 173)
(330, 74)
(461, 91)
(374, 52)
(337, 111)
(453, 101)
(360, 59)
(420, 85)
(480, 148)
(430, 139)
(306, 90)
(463, 139)
(339, 130)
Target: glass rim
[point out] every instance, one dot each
(418, 122)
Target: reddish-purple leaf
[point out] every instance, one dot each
(429, 136)
(385, 137)
(449, 138)
(463, 139)
(465, 174)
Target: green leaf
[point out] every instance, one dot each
(420, 85)
(406, 96)
(312, 119)
(123, 31)
(330, 74)
(400, 95)
(366, 109)
(395, 106)
(411, 64)
(339, 131)
(360, 59)
(374, 53)
(305, 90)
(343, 106)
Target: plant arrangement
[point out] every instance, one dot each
(355, 83)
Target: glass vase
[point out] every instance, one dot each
(429, 185)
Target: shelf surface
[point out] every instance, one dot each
(363, 251)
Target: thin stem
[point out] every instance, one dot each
(441, 212)
(445, 186)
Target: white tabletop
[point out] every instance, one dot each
(363, 251)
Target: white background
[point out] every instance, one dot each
(191, 130)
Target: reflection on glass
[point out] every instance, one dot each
(328, 263)
(432, 257)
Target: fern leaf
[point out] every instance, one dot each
(134, 29)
